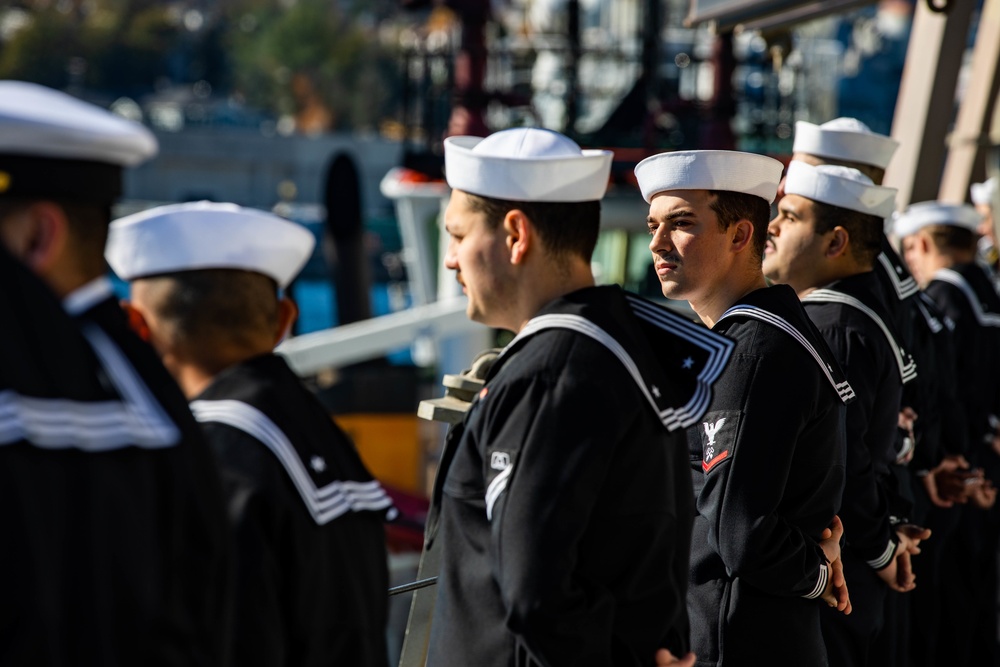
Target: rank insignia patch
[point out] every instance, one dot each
(717, 433)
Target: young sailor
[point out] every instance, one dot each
(125, 538)
(306, 516)
(939, 244)
(767, 458)
(824, 243)
(562, 508)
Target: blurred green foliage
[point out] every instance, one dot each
(275, 56)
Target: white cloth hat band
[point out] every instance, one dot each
(839, 186)
(526, 164)
(931, 213)
(709, 170)
(825, 141)
(206, 235)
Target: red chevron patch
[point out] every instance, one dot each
(715, 460)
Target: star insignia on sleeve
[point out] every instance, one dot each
(655, 390)
(317, 463)
(688, 363)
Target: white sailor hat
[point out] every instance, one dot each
(732, 171)
(983, 193)
(207, 235)
(526, 164)
(928, 213)
(845, 139)
(54, 145)
(839, 186)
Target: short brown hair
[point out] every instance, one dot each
(953, 238)
(207, 307)
(731, 207)
(569, 228)
(865, 231)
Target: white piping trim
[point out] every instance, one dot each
(955, 278)
(820, 583)
(907, 370)
(497, 487)
(137, 419)
(933, 323)
(86, 296)
(904, 288)
(324, 504)
(843, 389)
(884, 559)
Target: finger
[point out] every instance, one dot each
(837, 527)
(837, 573)
(826, 534)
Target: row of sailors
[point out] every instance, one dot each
(626, 485)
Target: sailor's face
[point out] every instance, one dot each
(478, 254)
(793, 248)
(915, 251)
(688, 245)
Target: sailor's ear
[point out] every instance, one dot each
(288, 312)
(838, 243)
(742, 234)
(37, 235)
(520, 235)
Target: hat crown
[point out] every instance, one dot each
(843, 187)
(732, 171)
(527, 142)
(932, 213)
(844, 124)
(847, 173)
(207, 235)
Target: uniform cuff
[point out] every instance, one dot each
(824, 574)
(884, 560)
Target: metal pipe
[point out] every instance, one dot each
(412, 586)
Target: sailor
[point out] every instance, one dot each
(824, 243)
(124, 535)
(767, 458)
(926, 457)
(306, 516)
(984, 197)
(939, 244)
(562, 507)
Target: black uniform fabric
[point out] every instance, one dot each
(875, 370)
(307, 518)
(768, 469)
(969, 580)
(967, 298)
(112, 505)
(562, 507)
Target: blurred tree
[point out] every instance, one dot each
(313, 60)
(115, 46)
(317, 61)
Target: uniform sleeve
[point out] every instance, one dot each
(258, 633)
(747, 463)
(865, 509)
(540, 499)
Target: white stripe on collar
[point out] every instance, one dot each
(671, 418)
(137, 419)
(85, 297)
(324, 504)
(905, 288)
(843, 389)
(955, 278)
(907, 368)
